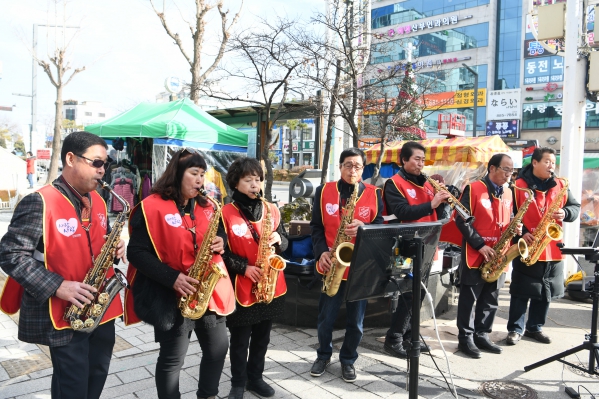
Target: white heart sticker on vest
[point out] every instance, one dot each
(486, 203)
(411, 192)
(173, 219)
(239, 229)
(332, 208)
(66, 227)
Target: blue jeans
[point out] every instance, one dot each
(30, 178)
(328, 309)
(537, 314)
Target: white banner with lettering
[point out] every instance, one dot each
(504, 104)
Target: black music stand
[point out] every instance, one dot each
(592, 255)
(373, 273)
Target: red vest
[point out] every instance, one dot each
(366, 210)
(415, 195)
(174, 247)
(532, 217)
(66, 252)
(492, 217)
(243, 244)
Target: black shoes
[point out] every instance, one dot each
(396, 350)
(483, 342)
(261, 388)
(319, 366)
(470, 349)
(348, 372)
(538, 336)
(512, 338)
(423, 347)
(236, 393)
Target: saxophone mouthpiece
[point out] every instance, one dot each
(203, 192)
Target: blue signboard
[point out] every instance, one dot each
(543, 70)
(504, 129)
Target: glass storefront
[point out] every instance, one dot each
(549, 115)
(441, 42)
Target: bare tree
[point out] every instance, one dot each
(199, 35)
(56, 68)
(265, 61)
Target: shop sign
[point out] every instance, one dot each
(308, 145)
(533, 49)
(504, 104)
(541, 108)
(544, 70)
(454, 99)
(420, 26)
(504, 129)
(367, 142)
(44, 153)
(439, 62)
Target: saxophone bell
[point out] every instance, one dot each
(344, 253)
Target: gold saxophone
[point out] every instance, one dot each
(453, 202)
(491, 270)
(342, 250)
(204, 270)
(89, 317)
(267, 261)
(547, 230)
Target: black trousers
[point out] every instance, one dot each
(214, 344)
(255, 338)
(477, 320)
(80, 367)
(401, 321)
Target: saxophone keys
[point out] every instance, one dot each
(77, 324)
(96, 310)
(89, 323)
(193, 304)
(103, 298)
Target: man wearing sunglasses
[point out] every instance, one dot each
(53, 238)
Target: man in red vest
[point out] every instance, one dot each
(54, 235)
(30, 168)
(410, 198)
(329, 201)
(543, 280)
(491, 205)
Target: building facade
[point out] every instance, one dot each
(86, 113)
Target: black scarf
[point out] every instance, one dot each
(251, 207)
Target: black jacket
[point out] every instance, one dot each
(543, 280)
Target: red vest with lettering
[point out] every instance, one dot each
(173, 244)
(492, 217)
(532, 217)
(366, 210)
(66, 252)
(242, 243)
(415, 195)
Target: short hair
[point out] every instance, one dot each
(496, 160)
(352, 152)
(169, 184)
(29, 153)
(242, 167)
(78, 143)
(407, 150)
(538, 153)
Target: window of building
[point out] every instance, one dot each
(307, 134)
(70, 114)
(549, 115)
(410, 10)
(441, 42)
(88, 114)
(509, 45)
(432, 124)
(101, 114)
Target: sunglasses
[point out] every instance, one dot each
(96, 163)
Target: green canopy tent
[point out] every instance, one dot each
(174, 125)
(587, 163)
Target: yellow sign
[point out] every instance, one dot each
(454, 99)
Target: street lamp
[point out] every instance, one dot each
(472, 71)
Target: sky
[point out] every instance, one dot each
(126, 52)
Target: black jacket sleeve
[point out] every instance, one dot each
(572, 208)
(142, 255)
(319, 241)
(468, 232)
(398, 205)
(379, 201)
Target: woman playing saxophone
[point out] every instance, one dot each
(167, 240)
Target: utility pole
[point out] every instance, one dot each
(573, 117)
(475, 107)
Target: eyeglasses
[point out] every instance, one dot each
(349, 165)
(96, 163)
(506, 170)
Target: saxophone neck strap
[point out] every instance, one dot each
(255, 234)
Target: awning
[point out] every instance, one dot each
(587, 163)
(459, 149)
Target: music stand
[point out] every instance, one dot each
(592, 255)
(373, 272)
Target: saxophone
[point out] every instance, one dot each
(453, 202)
(342, 250)
(547, 230)
(89, 317)
(491, 270)
(267, 261)
(207, 272)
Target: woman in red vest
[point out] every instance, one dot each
(250, 325)
(167, 230)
